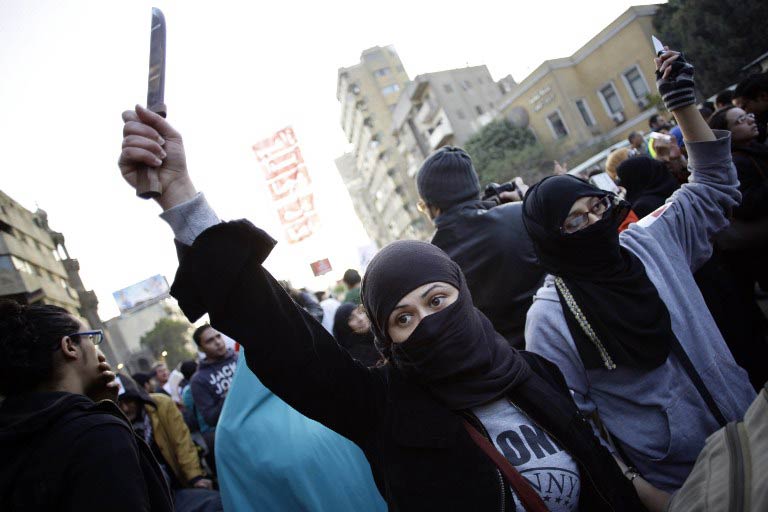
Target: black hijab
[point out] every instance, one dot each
(648, 183)
(455, 353)
(608, 283)
(361, 346)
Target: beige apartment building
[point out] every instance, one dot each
(368, 93)
(598, 95)
(444, 108)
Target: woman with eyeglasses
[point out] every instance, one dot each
(744, 245)
(65, 445)
(621, 315)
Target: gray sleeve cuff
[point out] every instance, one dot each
(189, 219)
(711, 156)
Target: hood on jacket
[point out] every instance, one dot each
(207, 362)
(130, 389)
(27, 418)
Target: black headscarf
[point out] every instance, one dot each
(608, 282)
(359, 345)
(648, 183)
(455, 353)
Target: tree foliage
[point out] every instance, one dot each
(502, 151)
(718, 36)
(171, 336)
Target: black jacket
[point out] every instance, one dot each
(420, 455)
(61, 451)
(493, 249)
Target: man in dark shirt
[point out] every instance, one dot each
(752, 95)
(65, 444)
(489, 242)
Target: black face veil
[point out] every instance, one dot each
(608, 283)
(455, 352)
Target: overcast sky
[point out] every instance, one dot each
(236, 72)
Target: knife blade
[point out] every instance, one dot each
(658, 47)
(149, 185)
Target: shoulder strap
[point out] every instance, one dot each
(528, 496)
(679, 351)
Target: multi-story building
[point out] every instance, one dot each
(368, 93)
(35, 267)
(598, 95)
(127, 329)
(444, 108)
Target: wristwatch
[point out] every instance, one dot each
(631, 473)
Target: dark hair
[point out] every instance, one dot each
(724, 97)
(351, 277)
(718, 120)
(188, 369)
(28, 337)
(653, 120)
(632, 136)
(198, 334)
(141, 378)
(751, 86)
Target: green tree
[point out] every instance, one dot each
(171, 336)
(502, 151)
(718, 36)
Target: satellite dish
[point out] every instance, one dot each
(518, 116)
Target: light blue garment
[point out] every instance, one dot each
(658, 415)
(189, 404)
(269, 457)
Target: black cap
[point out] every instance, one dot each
(447, 178)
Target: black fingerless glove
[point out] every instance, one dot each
(677, 89)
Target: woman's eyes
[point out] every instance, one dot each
(437, 300)
(403, 319)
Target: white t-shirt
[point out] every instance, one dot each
(549, 469)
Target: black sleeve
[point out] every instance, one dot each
(291, 353)
(106, 471)
(754, 190)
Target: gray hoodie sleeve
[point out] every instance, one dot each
(693, 214)
(191, 218)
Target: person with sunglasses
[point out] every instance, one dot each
(621, 315)
(65, 444)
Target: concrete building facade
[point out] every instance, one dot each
(444, 108)
(35, 267)
(368, 93)
(127, 329)
(598, 95)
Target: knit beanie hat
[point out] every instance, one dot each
(447, 178)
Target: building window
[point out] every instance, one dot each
(460, 114)
(382, 72)
(390, 89)
(6, 228)
(466, 85)
(479, 110)
(479, 80)
(556, 125)
(636, 83)
(611, 99)
(490, 104)
(21, 265)
(447, 88)
(586, 114)
(6, 263)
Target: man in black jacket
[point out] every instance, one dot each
(65, 445)
(488, 242)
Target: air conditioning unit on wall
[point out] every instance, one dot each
(618, 118)
(643, 103)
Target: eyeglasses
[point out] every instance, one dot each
(96, 337)
(579, 221)
(743, 118)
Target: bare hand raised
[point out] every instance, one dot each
(150, 141)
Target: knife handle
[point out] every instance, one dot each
(148, 184)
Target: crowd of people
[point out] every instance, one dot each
(557, 347)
